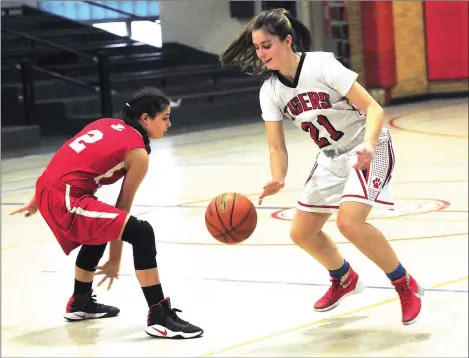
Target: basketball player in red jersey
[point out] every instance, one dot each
(353, 170)
(102, 153)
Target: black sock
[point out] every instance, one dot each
(153, 294)
(82, 287)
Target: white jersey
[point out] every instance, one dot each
(316, 101)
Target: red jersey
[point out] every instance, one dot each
(95, 156)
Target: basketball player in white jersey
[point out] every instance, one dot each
(352, 172)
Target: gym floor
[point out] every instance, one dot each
(255, 298)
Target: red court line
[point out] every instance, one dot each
(392, 123)
(444, 205)
(293, 244)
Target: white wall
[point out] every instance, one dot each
(17, 3)
(205, 25)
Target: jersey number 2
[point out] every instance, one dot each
(322, 142)
(91, 137)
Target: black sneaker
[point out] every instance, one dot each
(84, 306)
(163, 322)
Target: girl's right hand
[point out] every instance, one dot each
(271, 188)
(28, 210)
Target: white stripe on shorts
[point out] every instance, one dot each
(80, 211)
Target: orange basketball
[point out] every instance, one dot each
(231, 218)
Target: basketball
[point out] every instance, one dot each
(231, 218)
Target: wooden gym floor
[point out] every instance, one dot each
(256, 298)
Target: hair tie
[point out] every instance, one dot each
(128, 105)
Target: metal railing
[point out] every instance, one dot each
(48, 43)
(27, 68)
(127, 21)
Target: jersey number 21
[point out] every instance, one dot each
(322, 142)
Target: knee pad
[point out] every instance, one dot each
(89, 256)
(140, 234)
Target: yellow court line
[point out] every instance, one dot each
(24, 244)
(324, 320)
(409, 218)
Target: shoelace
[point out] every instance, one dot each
(92, 301)
(173, 314)
(335, 282)
(92, 297)
(148, 317)
(405, 294)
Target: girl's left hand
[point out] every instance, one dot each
(110, 270)
(364, 156)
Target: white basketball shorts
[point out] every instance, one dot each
(333, 180)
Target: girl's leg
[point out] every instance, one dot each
(371, 242)
(306, 232)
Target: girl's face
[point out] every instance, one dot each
(156, 126)
(274, 52)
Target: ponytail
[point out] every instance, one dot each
(302, 39)
(150, 101)
(278, 22)
(241, 53)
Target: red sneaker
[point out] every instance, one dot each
(344, 286)
(410, 294)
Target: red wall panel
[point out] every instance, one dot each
(446, 32)
(378, 42)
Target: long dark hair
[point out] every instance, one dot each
(278, 22)
(148, 100)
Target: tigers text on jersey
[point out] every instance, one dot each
(95, 156)
(316, 101)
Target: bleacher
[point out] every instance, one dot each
(67, 68)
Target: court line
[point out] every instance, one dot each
(437, 181)
(132, 274)
(392, 123)
(173, 206)
(293, 244)
(409, 218)
(219, 244)
(444, 204)
(323, 284)
(173, 137)
(183, 206)
(18, 189)
(317, 322)
(256, 194)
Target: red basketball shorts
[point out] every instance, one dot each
(77, 219)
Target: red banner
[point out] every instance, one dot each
(446, 27)
(378, 42)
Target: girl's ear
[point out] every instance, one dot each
(289, 40)
(144, 117)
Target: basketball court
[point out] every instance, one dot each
(255, 298)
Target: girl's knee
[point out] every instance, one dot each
(348, 225)
(297, 236)
(300, 236)
(307, 226)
